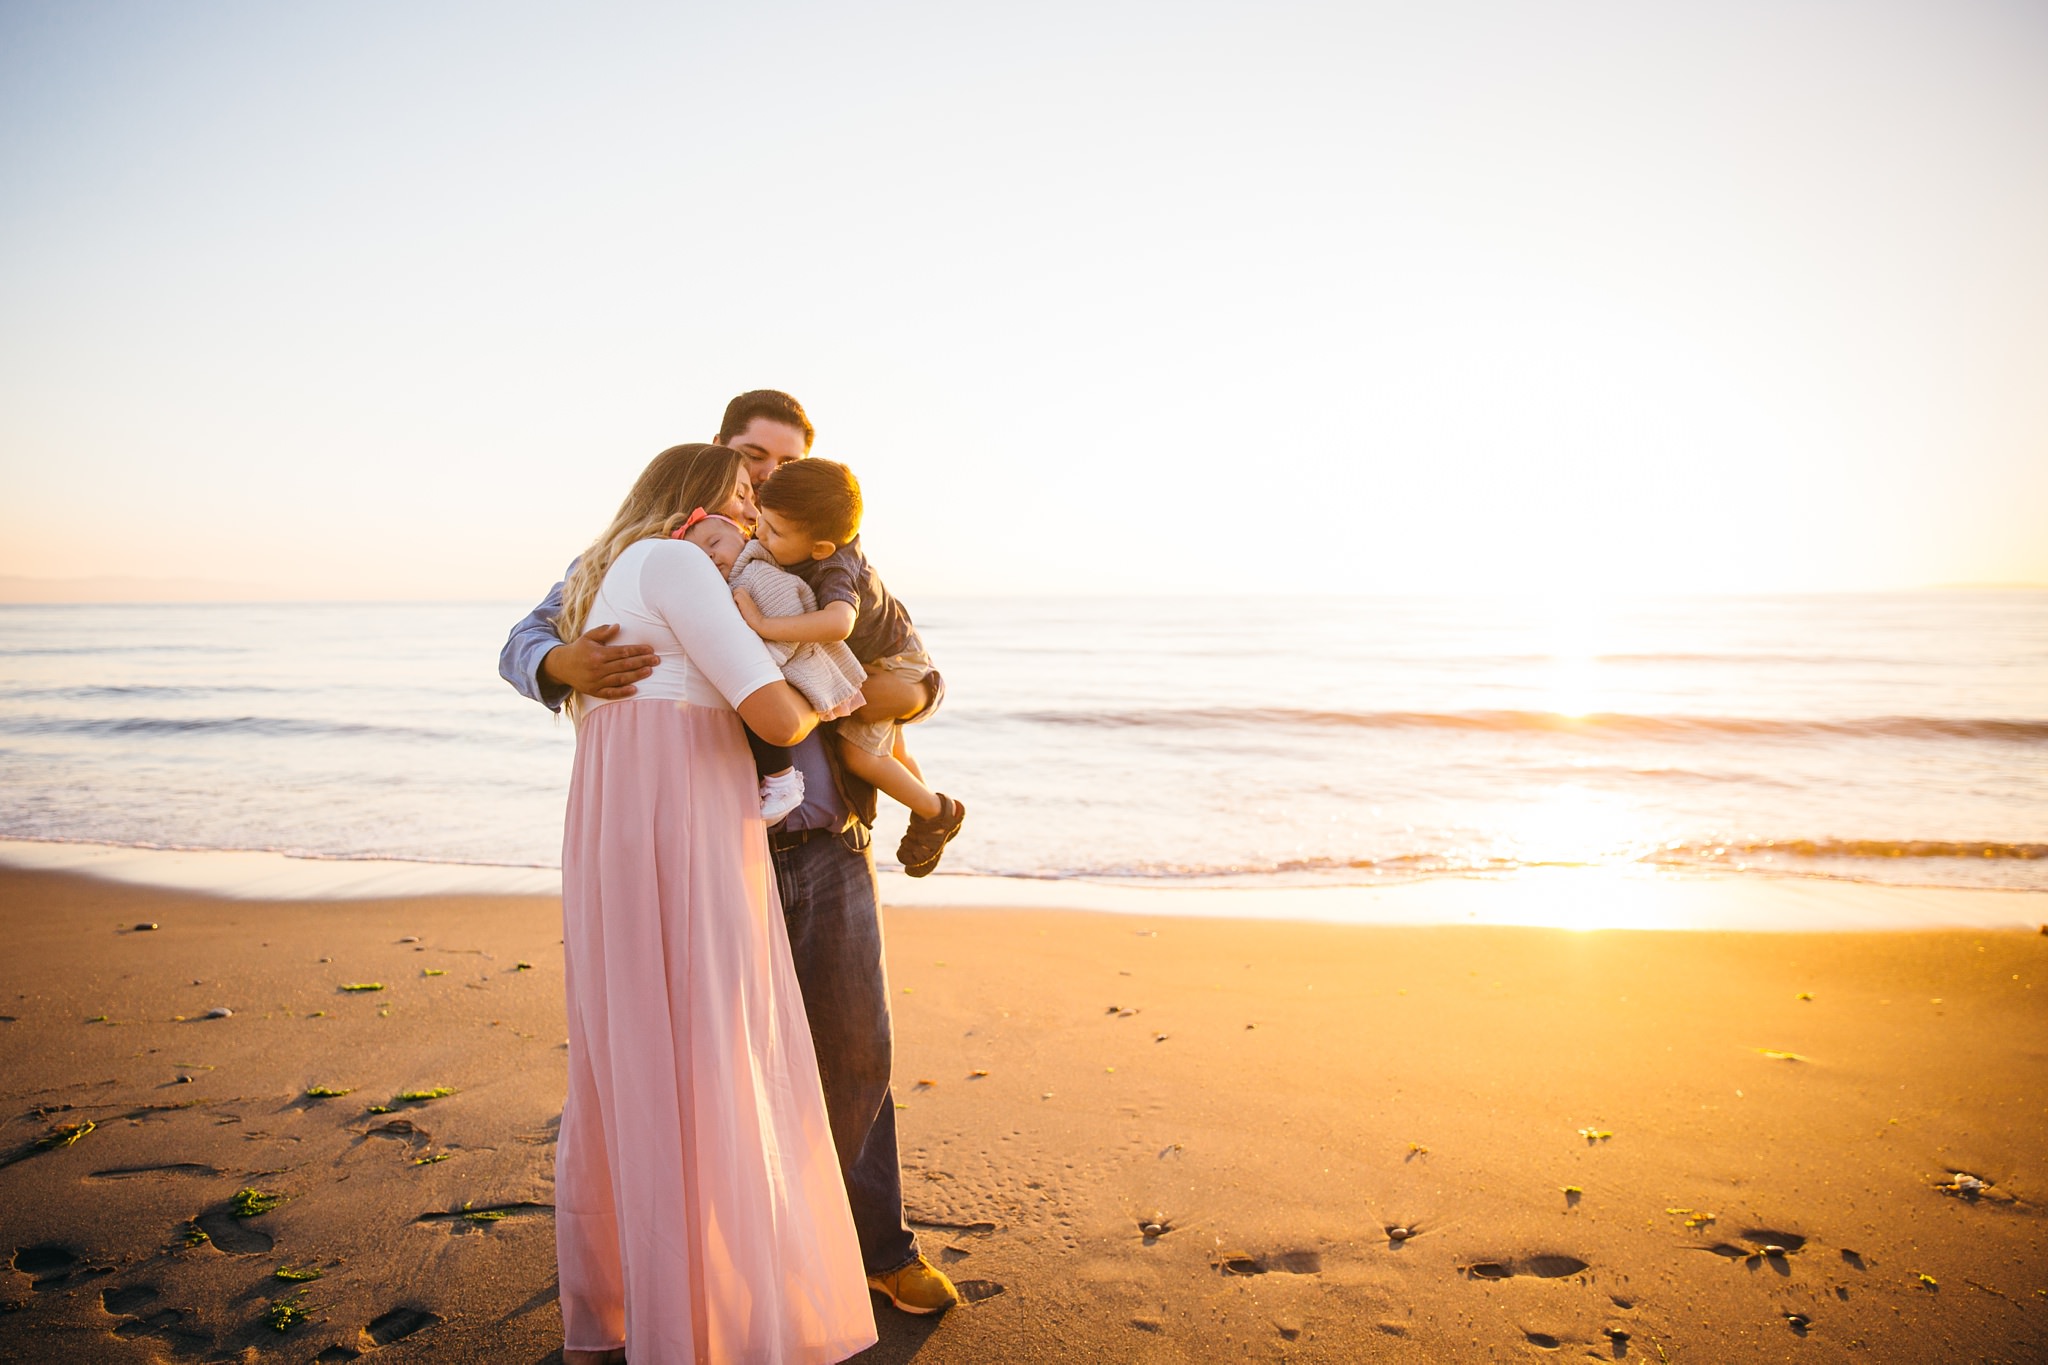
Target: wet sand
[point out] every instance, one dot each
(1129, 1138)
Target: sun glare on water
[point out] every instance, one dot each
(1576, 631)
(1569, 823)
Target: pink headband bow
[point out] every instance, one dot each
(701, 515)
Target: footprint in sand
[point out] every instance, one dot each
(401, 1323)
(472, 1218)
(402, 1130)
(47, 1265)
(234, 1235)
(1285, 1262)
(132, 1302)
(1553, 1267)
(128, 1299)
(416, 1143)
(159, 1323)
(173, 1169)
(1547, 1266)
(396, 1325)
(979, 1228)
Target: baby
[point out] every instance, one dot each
(827, 674)
(719, 537)
(810, 525)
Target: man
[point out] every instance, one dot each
(825, 872)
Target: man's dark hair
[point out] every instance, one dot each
(773, 404)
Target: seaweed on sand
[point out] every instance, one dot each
(250, 1202)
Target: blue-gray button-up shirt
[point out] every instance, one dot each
(534, 636)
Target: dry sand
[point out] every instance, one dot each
(1132, 1139)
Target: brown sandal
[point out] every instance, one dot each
(926, 839)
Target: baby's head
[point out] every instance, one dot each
(808, 509)
(717, 536)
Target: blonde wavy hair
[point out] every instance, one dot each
(676, 483)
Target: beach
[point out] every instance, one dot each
(1128, 1137)
(1457, 578)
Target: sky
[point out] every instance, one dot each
(389, 301)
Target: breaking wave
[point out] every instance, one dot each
(1620, 724)
(270, 727)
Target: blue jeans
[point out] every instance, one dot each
(835, 938)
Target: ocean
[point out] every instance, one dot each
(1200, 742)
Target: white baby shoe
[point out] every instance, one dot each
(780, 794)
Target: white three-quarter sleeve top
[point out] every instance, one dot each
(668, 594)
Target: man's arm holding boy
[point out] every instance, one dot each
(542, 668)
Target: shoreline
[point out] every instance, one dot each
(1591, 1137)
(1581, 898)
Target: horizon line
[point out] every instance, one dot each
(12, 596)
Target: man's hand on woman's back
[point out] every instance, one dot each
(589, 665)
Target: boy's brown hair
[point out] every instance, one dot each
(821, 496)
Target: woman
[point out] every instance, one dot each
(699, 1209)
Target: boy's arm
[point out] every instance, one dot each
(834, 621)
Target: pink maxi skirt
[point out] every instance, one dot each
(699, 1210)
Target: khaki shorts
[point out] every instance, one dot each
(879, 736)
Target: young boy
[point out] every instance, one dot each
(810, 523)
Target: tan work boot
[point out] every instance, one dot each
(919, 1287)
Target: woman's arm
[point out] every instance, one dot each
(778, 713)
(680, 583)
(833, 621)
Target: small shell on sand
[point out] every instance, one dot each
(220, 1012)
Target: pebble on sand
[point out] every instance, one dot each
(220, 1012)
